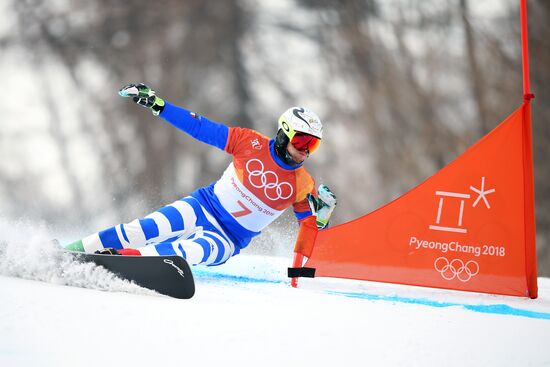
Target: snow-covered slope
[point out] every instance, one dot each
(245, 314)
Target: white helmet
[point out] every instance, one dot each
(295, 125)
(300, 119)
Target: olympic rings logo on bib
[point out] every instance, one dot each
(456, 269)
(268, 180)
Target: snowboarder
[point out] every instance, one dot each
(217, 221)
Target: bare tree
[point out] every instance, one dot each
(475, 75)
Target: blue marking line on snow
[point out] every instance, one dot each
(499, 309)
(201, 274)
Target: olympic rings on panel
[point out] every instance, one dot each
(456, 269)
(269, 181)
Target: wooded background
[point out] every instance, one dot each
(403, 87)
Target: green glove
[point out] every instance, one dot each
(323, 205)
(144, 96)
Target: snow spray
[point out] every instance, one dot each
(27, 251)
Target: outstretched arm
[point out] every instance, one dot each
(199, 127)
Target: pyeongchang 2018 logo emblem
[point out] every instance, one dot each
(456, 268)
(256, 144)
(267, 180)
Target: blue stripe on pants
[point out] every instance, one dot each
(221, 248)
(109, 238)
(174, 217)
(206, 248)
(182, 251)
(171, 239)
(124, 233)
(149, 227)
(165, 248)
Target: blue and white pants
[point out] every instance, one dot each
(183, 228)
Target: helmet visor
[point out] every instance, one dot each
(307, 142)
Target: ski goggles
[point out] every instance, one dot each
(307, 142)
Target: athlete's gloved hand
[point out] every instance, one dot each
(323, 205)
(144, 96)
(107, 251)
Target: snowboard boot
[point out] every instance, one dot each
(75, 246)
(107, 251)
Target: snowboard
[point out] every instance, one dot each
(168, 275)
